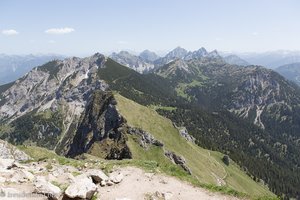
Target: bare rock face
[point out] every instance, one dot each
(6, 163)
(146, 138)
(136, 63)
(184, 133)
(59, 80)
(49, 100)
(101, 131)
(178, 160)
(8, 151)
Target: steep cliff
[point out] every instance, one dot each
(101, 131)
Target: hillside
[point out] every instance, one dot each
(208, 167)
(230, 109)
(238, 98)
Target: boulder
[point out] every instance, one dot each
(116, 178)
(97, 175)
(6, 163)
(44, 187)
(82, 188)
(109, 183)
(27, 175)
(103, 183)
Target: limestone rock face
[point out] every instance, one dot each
(8, 151)
(136, 63)
(45, 105)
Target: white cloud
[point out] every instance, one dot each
(59, 31)
(10, 32)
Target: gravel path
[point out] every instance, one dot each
(138, 185)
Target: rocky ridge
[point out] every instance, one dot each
(137, 63)
(49, 179)
(148, 61)
(51, 104)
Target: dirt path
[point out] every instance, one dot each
(137, 185)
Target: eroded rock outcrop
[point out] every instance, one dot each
(184, 133)
(8, 151)
(102, 131)
(146, 139)
(178, 160)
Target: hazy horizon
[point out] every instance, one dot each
(159, 52)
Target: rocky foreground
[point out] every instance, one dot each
(49, 180)
(22, 178)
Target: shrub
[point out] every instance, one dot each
(225, 159)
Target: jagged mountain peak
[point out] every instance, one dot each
(97, 54)
(202, 50)
(123, 52)
(132, 61)
(214, 54)
(48, 85)
(149, 55)
(196, 54)
(178, 52)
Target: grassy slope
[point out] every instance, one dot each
(203, 163)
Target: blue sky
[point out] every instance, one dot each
(82, 27)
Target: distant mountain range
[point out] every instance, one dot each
(271, 59)
(13, 67)
(147, 60)
(235, 60)
(290, 71)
